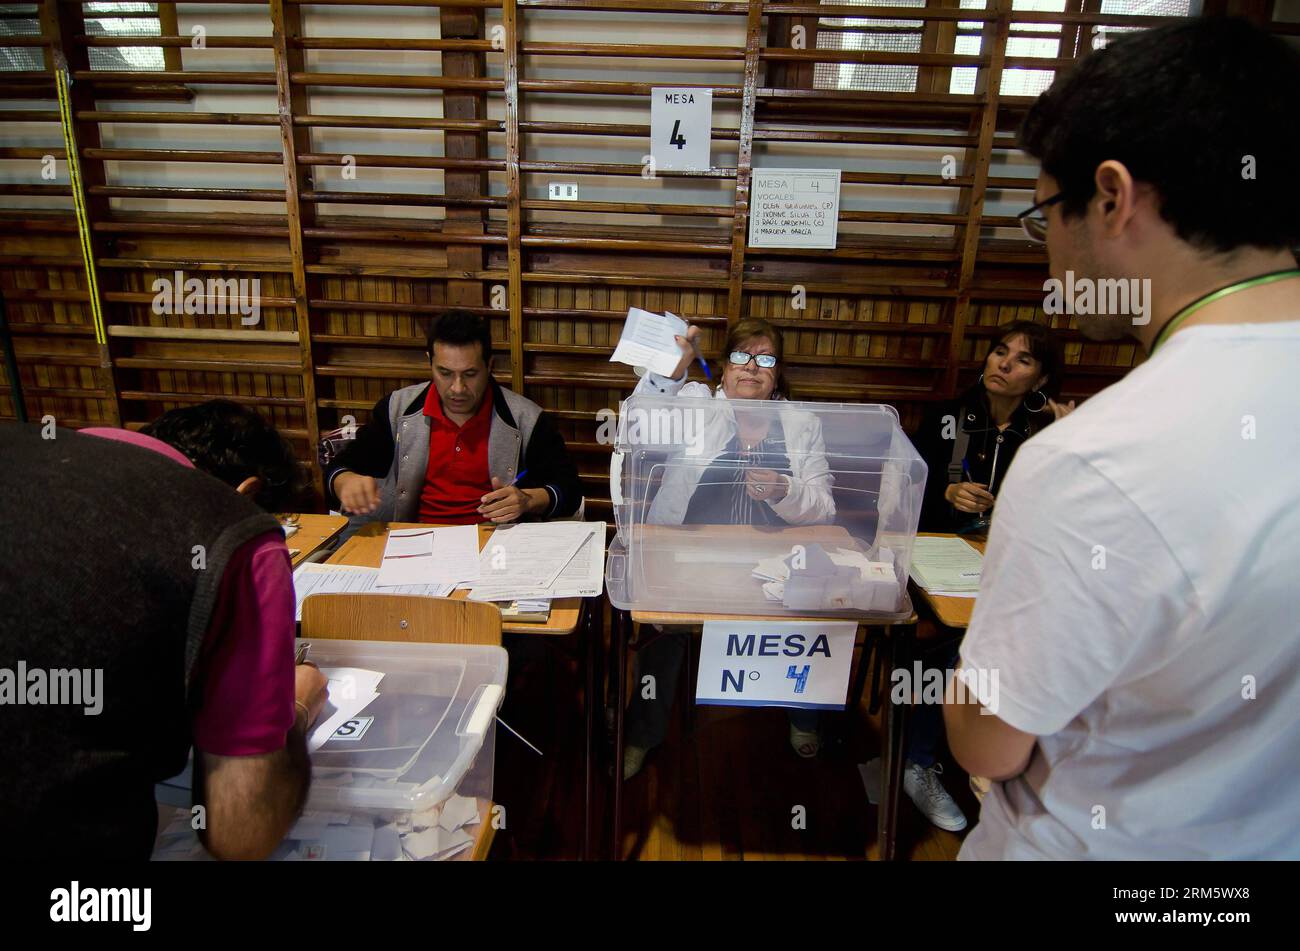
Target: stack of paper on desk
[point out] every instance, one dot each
(351, 579)
(542, 560)
(947, 566)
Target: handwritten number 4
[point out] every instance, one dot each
(676, 138)
(800, 677)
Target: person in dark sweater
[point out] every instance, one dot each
(968, 444)
(137, 568)
(451, 450)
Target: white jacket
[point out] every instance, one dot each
(808, 500)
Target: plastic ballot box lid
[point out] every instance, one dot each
(762, 507)
(423, 731)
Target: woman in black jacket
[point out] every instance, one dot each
(968, 444)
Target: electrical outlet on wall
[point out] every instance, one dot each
(564, 191)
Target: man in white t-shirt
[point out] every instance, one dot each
(1140, 602)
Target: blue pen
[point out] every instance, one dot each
(965, 471)
(518, 477)
(699, 357)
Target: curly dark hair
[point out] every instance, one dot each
(1185, 107)
(233, 442)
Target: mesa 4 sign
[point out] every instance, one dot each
(776, 663)
(681, 127)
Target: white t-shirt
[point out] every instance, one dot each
(1141, 606)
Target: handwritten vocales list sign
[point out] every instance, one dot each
(794, 208)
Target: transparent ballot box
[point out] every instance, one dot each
(433, 729)
(767, 507)
(405, 770)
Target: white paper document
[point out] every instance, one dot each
(947, 566)
(580, 576)
(647, 341)
(351, 579)
(350, 690)
(430, 556)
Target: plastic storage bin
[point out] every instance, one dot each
(433, 734)
(765, 507)
(431, 738)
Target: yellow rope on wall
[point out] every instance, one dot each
(62, 81)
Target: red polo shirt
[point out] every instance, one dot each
(457, 475)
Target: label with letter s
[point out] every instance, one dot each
(352, 730)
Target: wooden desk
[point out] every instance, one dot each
(366, 549)
(953, 612)
(314, 533)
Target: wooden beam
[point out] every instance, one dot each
(291, 100)
(988, 86)
(514, 194)
(744, 169)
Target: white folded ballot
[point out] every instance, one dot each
(813, 578)
(647, 341)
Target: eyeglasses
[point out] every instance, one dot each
(1034, 222)
(741, 359)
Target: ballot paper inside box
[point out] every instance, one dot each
(695, 534)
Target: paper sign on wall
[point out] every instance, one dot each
(776, 663)
(681, 124)
(794, 208)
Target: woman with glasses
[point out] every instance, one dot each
(968, 444)
(769, 468)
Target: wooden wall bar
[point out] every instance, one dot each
(927, 264)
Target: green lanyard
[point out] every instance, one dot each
(1211, 297)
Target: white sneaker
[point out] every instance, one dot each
(922, 785)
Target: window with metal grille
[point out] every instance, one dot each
(102, 19)
(1044, 39)
(856, 33)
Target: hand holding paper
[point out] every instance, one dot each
(650, 340)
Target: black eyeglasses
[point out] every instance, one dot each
(741, 359)
(1034, 221)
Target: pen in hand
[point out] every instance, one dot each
(698, 356)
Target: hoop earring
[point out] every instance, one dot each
(1041, 406)
(981, 379)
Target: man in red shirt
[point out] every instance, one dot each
(459, 450)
